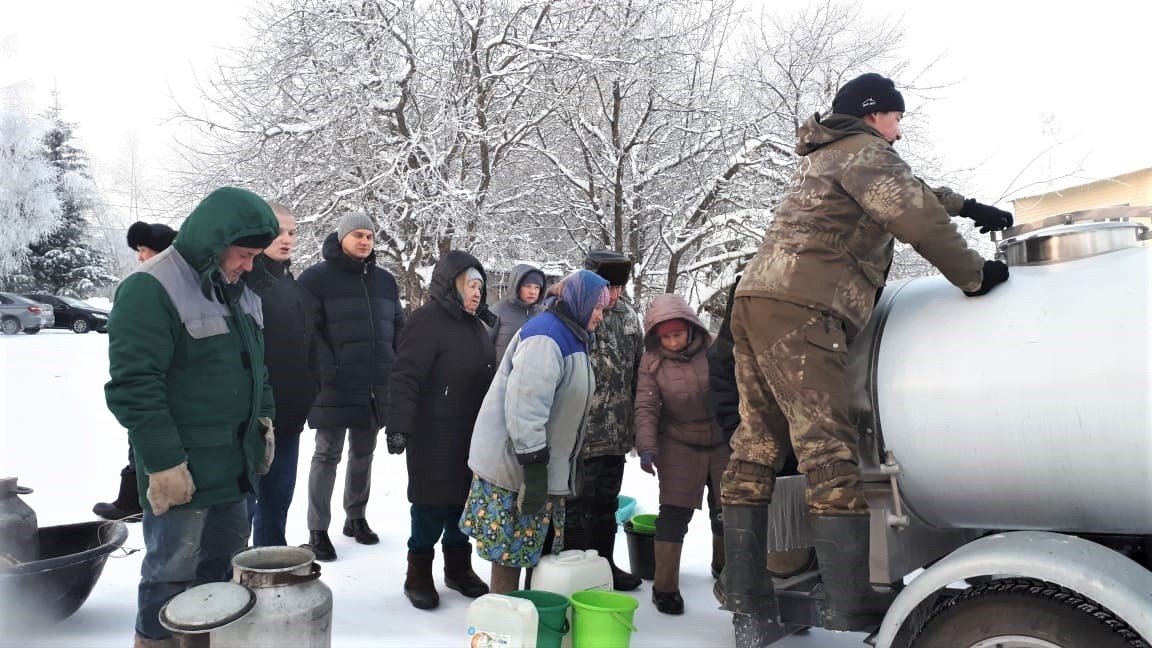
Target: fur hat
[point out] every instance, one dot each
(354, 221)
(154, 236)
(866, 94)
(610, 264)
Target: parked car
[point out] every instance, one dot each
(72, 313)
(20, 314)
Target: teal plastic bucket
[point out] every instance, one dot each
(602, 619)
(624, 507)
(552, 609)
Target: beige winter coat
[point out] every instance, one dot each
(830, 244)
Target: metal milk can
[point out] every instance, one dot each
(275, 599)
(18, 539)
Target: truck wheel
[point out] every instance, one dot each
(1023, 613)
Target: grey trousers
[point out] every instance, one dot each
(357, 474)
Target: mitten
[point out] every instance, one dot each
(269, 445)
(397, 441)
(648, 462)
(988, 218)
(534, 492)
(168, 488)
(995, 273)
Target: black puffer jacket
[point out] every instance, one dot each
(444, 365)
(288, 341)
(358, 320)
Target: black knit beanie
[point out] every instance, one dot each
(866, 94)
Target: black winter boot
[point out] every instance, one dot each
(745, 586)
(603, 540)
(360, 531)
(842, 552)
(458, 574)
(321, 546)
(419, 586)
(127, 504)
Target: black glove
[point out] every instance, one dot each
(995, 273)
(534, 492)
(987, 217)
(397, 441)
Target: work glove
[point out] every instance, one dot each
(269, 445)
(995, 273)
(168, 488)
(534, 493)
(648, 462)
(986, 217)
(397, 441)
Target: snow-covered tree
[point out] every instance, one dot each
(64, 261)
(29, 207)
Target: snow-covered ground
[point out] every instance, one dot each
(58, 438)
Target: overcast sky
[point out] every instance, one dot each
(1018, 77)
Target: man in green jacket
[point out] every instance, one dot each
(188, 381)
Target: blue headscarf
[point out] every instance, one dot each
(581, 291)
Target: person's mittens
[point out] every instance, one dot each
(171, 487)
(534, 492)
(986, 217)
(397, 441)
(995, 273)
(269, 445)
(648, 462)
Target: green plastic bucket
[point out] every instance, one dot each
(644, 523)
(602, 619)
(552, 609)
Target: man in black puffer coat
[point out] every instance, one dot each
(358, 321)
(288, 333)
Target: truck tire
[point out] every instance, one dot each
(1023, 613)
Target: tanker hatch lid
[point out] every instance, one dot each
(1075, 235)
(207, 607)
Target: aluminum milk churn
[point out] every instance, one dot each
(275, 599)
(18, 540)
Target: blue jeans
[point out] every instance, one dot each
(274, 494)
(432, 523)
(185, 548)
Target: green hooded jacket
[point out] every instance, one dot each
(186, 355)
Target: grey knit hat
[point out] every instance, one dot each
(354, 221)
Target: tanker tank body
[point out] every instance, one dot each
(1006, 448)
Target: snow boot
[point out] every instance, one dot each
(458, 574)
(666, 585)
(127, 504)
(418, 586)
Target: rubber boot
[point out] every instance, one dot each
(717, 554)
(127, 504)
(666, 585)
(418, 586)
(504, 579)
(745, 587)
(458, 574)
(842, 551)
(604, 542)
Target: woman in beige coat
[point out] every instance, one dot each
(677, 437)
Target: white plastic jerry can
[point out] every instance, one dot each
(571, 571)
(498, 621)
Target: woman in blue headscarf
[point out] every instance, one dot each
(529, 432)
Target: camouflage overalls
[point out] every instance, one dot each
(809, 291)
